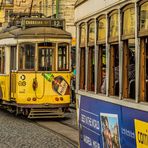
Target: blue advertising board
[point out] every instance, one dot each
(107, 125)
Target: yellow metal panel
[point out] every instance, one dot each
(5, 87)
(34, 88)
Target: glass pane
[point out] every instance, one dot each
(144, 16)
(102, 29)
(129, 22)
(83, 35)
(45, 61)
(26, 56)
(113, 29)
(91, 37)
(63, 58)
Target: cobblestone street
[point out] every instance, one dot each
(16, 132)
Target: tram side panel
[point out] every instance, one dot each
(5, 87)
(40, 88)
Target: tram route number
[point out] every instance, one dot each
(22, 83)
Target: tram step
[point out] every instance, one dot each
(45, 113)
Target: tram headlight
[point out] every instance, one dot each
(57, 99)
(61, 98)
(28, 99)
(34, 99)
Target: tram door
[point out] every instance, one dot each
(13, 57)
(144, 69)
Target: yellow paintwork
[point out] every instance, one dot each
(5, 86)
(44, 93)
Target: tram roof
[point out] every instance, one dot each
(35, 32)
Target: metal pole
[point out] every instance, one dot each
(57, 8)
(31, 9)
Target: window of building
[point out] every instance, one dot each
(26, 56)
(143, 34)
(7, 13)
(8, 1)
(63, 58)
(2, 60)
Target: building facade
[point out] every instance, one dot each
(49, 8)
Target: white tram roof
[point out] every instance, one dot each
(13, 34)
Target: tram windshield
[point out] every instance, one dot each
(27, 56)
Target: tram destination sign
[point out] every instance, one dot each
(43, 22)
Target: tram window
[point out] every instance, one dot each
(102, 69)
(2, 60)
(114, 70)
(91, 72)
(26, 57)
(45, 61)
(144, 69)
(13, 58)
(63, 61)
(82, 68)
(129, 68)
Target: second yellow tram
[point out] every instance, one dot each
(35, 69)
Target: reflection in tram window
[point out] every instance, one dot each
(45, 60)
(2, 60)
(26, 57)
(102, 69)
(63, 57)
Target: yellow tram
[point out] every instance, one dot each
(35, 68)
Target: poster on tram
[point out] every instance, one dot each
(103, 124)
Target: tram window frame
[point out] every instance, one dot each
(128, 85)
(82, 48)
(13, 58)
(22, 57)
(114, 69)
(110, 37)
(45, 59)
(82, 68)
(2, 60)
(63, 57)
(91, 56)
(141, 32)
(101, 80)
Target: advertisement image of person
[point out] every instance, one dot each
(107, 133)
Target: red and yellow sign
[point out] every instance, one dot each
(141, 129)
